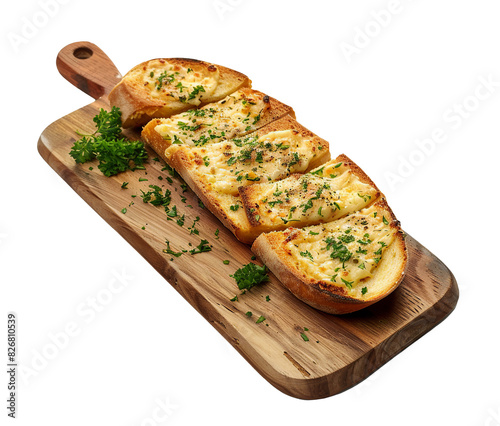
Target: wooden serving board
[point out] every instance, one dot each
(342, 350)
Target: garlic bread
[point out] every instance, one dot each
(326, 193)
(238, 114)
(164, 87)
(216, 171)
(340, 266)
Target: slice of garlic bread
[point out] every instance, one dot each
(326, 193)
(239, 114)
(340, 266)
(163, 87)
(216, 171)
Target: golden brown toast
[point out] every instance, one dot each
(216, 171)
(164, 87)
(340, 266)
(237, 115)
(327, 193)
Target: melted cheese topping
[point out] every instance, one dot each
(227, 165)
(327, 193)
(344, 252)
(173, 82)
(236, 115)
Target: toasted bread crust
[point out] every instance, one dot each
(154, 139)
(322, 295)
(358, 172)
(137, 108)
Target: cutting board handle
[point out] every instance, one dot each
(87, 67)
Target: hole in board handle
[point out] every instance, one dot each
(82, 53)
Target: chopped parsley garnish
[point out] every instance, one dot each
(225, 262)
(156, 197)
(234, 299)
(192, 229)
(365, 240)
(339, 251)
(273, 203)
(347, 283)
(346, 239)
(307, 205)
(296, 159)
(248, 314)
(124, 210)
(195, 92)
(164, 78)
(365, 197)
(124, 185)
(281, 146)
(187, 127)
(234, 207)
(171, 252)
(318, 172)
(250, 275)
(307, 254)
(304, 337)
(260, 319)
(201, 248)
(364, 290)
(385, 220)
(172, 212)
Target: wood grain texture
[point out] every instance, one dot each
(87, 67)
(342, 350)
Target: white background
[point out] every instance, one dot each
(394, 87)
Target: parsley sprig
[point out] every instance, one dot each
(114, 152)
